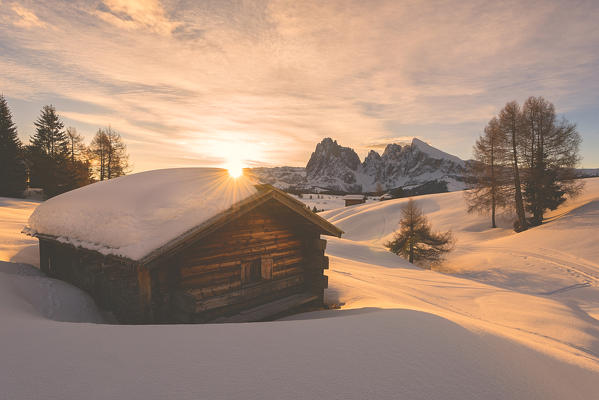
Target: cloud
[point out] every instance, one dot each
(184, 80)
(27, 19)
(136, 14)
(380, 144)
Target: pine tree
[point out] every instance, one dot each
(12, 167)
(48, 155)
(487, 178)
(50, 138)
(415, 241)
(510, 123)
(550, 149)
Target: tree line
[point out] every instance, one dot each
(524, 162)
(56, 159)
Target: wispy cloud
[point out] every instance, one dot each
(137, 14)
(25, 18)
(184, 80)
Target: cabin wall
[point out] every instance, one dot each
(353, 202)
(212, 278)
(111, 283)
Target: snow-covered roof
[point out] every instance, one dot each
(135, 214)
(353, 197)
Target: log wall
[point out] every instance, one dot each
(211, 278)
(112, 283)
(212, 275)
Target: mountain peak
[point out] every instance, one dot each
(334, 167)
(392, 150)
(330, 160)
(433, 152)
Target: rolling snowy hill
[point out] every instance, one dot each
(516, 318)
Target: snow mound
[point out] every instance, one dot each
(402, 332)
(135, 214)
(26, 293)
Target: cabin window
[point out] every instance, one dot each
(251, 272)
(256, 270)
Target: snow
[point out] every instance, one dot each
(515, 317)
(135, 214)
(539, 287)
(14, 246)
(413, 165)
(434, 152)
(324, 202)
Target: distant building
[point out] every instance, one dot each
(250, 259)
(353, 199)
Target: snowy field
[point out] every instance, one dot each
(512, 317)
(325, 202)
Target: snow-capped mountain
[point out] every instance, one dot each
(338, 168)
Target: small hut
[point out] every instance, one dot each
(188, 245)
(353, 199)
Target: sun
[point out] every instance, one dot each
(235, 169)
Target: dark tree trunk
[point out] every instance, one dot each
(517, 185)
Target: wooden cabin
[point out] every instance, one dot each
(353, 199)
(261, 258)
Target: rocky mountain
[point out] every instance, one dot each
(337, 168)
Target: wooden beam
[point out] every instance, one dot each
(269, 310)
(144, 283)
(246, 293)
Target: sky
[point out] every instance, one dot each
(210, 83)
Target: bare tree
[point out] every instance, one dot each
(550, 149)
(510, 123)
(98, 149)
(109, 153)
(415, 240)
(487, 178)
(77, 148)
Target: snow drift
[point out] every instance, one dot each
(519, 322)
(347, 354)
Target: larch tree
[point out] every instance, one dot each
(109, 154)
(76, 146)
(415, 240)
(98, 149)
(80, 166)
(550, 149)
(488, 179)
(12, 167)
(510, 123)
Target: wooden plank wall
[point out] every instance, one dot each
(210, 274)
(112, 284)
(204, 281)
